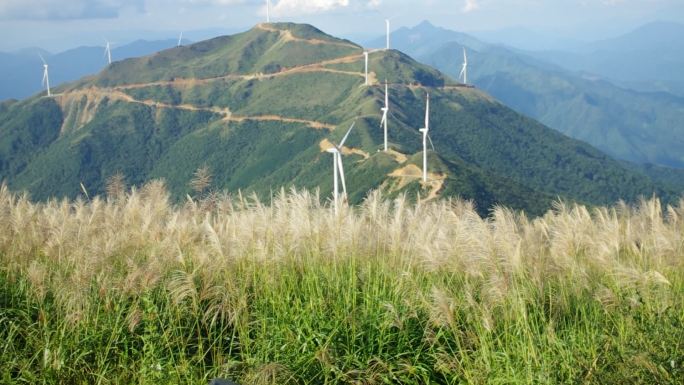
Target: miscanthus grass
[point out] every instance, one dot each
(131, 289)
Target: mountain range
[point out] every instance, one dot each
(640, 127)
(260, 108)
(649, 58)
(566, 90)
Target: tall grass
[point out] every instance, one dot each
(131, 289)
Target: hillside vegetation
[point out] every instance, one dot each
(131, 289)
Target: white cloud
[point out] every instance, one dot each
(308, 6)
(470, 5)
(213, 2)
(65, 9)
(302, 7)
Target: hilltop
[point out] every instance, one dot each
(259, 109)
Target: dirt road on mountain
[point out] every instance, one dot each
(112, 94)
(412, 172)
(278, 118)
(307, 68)
(287, 35)
(325, 144)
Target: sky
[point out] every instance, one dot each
(60, 24)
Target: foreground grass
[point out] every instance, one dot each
(133, 290)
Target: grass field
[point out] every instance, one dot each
(131, 289)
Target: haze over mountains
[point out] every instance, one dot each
(259, 109)
(636, 126)
(650, 58)
(18, 69)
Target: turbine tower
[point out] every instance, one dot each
(387, 28)
(338, 168)
(464, 70)
(385, 110)
(46, 77)
(365, 57)
(426, 136)
(108, 52)
(180, 39)
(268, 11)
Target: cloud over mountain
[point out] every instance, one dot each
(301, 7)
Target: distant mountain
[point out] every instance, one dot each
(635, 126)
(650, 58)
(423, 39)
(658, 35)
(21, 72)
(261, 107)
(527, 39)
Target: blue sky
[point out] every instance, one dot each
(60, 24)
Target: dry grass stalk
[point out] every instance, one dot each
(140, 239)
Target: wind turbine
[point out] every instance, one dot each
(108, 52)
(426, 136)
(268, 11)
(464, 69)
(385, 110)
(338, 168)
(387, 28)
(46, 77)
(180, 39)
(365, 57)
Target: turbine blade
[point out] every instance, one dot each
(346, 135)
(41, 58)
(386, 95)
(431, 145)
(427, 112)
(384, 118)
(341, 169)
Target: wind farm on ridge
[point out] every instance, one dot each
(384, 121)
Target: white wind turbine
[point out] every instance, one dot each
(338, 168)
(365, 57)
(464, 70)
(426, 136)
(268, 11)
(385, 110)
(46, 77)
(387, 29)
(180, 39)
(108, 52)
